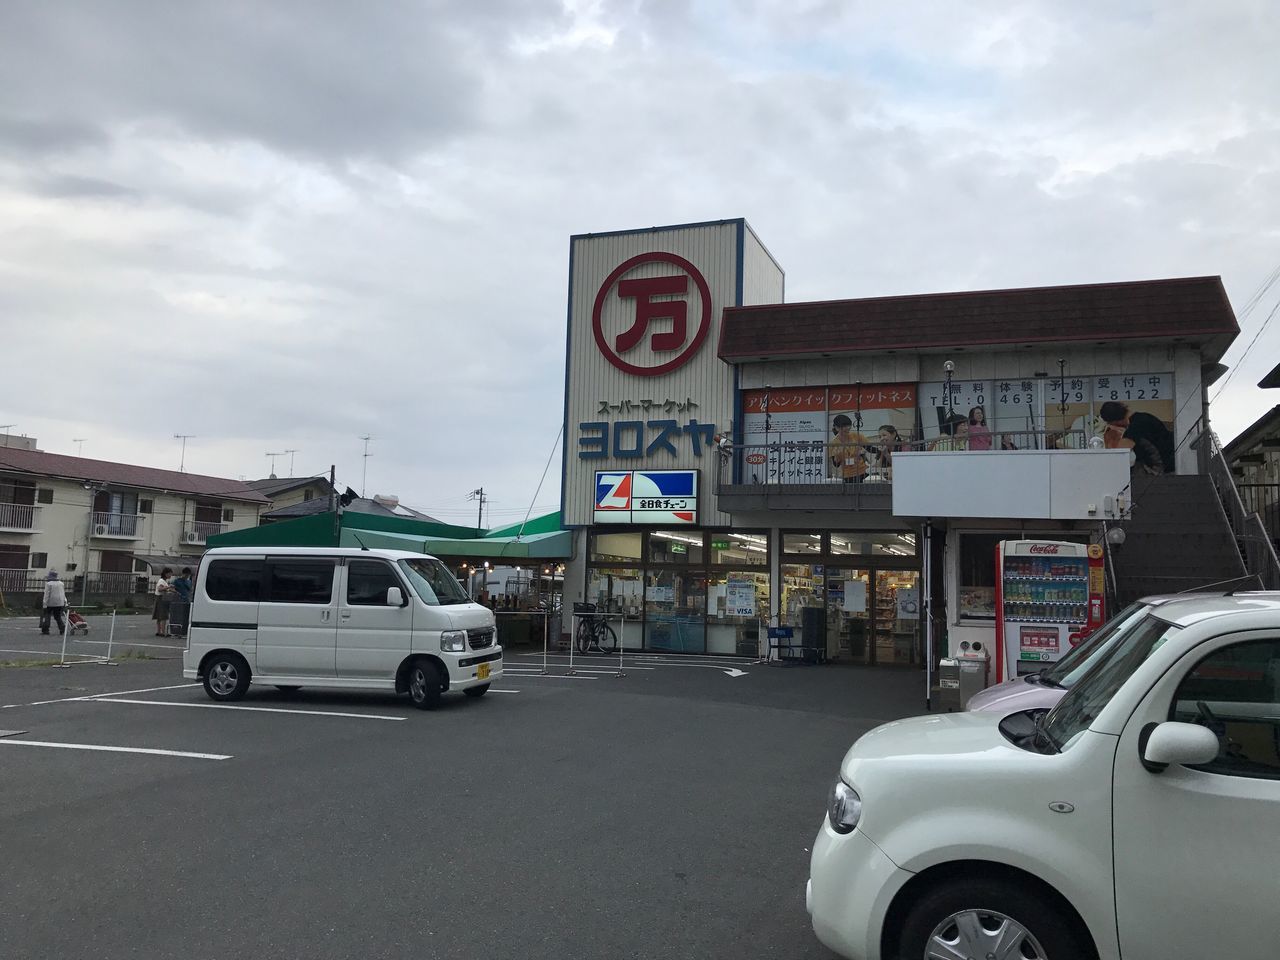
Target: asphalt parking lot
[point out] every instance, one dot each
(667, 813)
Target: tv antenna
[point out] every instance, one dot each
(182, 461)
(291, 453)
(364, 469)
(273, 454)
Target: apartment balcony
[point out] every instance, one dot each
(117, 526)
(198, 531)
(19, 518)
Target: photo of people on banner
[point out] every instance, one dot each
(1134, 411)
(870, 422)
(966, 422)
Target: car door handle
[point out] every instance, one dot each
(324, 616)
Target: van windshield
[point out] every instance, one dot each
(433, 582)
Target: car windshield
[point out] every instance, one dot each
(433, 582)
(1067, 672)
(1104, 675)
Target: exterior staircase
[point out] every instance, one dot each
(1177, 539)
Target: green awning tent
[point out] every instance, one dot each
(541, 539)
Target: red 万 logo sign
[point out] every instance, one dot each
(659, 335)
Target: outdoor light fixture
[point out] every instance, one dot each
(1116, 536)
(949, 369)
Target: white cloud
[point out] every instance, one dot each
(286, 229)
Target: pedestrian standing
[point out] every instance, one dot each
(54, 604)
(164, 595)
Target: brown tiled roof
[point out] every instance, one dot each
(1194, 309)
(40, 464)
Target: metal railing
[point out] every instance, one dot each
(198, 531)
(117, 525)
(1256, 547)
(100, 582)
(868, 460)
(1264, 500)
(18, 516)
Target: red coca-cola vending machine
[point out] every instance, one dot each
(1050, 595)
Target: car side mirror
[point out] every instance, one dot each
(1172, 742)
(395, 598)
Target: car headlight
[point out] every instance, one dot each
(453, 641)
(844, 807)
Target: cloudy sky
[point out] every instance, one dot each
(285, 225)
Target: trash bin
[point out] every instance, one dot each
(949, 685)
(974, 663)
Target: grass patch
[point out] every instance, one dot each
(17, 664)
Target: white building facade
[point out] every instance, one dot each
(733, 462)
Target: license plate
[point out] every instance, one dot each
(482, 672)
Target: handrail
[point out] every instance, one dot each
(1255, 544)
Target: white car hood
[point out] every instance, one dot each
(939, 736)
(470, 616)
(1015, 695)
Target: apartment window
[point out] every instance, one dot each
(39, 560)
(234, 580)
(44, 495)
(228, 515)
(146, 506)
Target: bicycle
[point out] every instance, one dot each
(593, 630)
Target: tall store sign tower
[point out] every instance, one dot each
(645, 393)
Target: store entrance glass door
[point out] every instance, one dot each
(849, 613)
(897, 617)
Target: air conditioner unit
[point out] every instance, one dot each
(100, 530)
(191, 537)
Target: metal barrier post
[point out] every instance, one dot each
(573, 640)
(622, 623)
(66, 628)
(110, 639)
(546, 635)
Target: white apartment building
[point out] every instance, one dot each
(111, 521)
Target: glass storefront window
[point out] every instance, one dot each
(675, 546)
(739, 549)
(737, 603)
(675, 610)
(615, 547)
(978, 574)
(802, 586)
(864, 544)
(616, 590)
(849, 609)
(897, 621)
(802, 543)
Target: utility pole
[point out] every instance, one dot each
(478, 494)
(333, 506)
(273, 455)
(79, 442)
(184, 437)
(364, 469)
(291, 453)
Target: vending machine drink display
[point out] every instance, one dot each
(1049, 597)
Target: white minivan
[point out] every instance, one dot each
(337, 617)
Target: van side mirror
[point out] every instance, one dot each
(1186, 743)
(395, 598)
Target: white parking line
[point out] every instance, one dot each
(95, 696)
(98, 746)
(491, 690)
(547, 676)
(530, 672)
(227, 706)
(130, 643)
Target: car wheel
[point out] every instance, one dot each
(989, 918)
(476, 692)
(226, 677)
(424, 684)
(287, 689)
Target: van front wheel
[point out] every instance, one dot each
(424, 684)
(226, 677)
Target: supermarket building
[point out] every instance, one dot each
(733, 461)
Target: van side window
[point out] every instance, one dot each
(368, 582)
(234, 580)
(299, 581)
